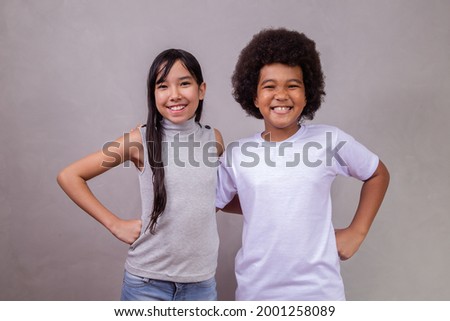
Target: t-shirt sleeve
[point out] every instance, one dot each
(226, 183)
(353, 158)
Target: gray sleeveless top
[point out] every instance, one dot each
(185, 245)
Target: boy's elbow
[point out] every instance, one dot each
(385, 172)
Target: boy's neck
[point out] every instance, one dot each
(278, 134)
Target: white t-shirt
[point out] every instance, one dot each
(288, 244)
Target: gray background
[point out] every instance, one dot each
(72, 77)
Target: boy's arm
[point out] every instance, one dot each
(73, 180)
(372, 193)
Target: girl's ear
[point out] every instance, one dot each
(202, 91)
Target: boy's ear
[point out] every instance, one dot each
(255, 102)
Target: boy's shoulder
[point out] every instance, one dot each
(327, 132)
(321, 128)
(314, 130)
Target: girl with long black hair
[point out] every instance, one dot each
(174, 245)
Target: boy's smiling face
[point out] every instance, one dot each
(280, 97)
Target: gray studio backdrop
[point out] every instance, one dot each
(72, 77)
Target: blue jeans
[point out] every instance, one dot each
(136, 288)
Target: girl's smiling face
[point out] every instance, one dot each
(280, 97)
(178, 95)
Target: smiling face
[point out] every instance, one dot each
(280, 97)
(178, 95)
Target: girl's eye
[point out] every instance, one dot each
(268, 87)
(161, 86)
(185, 83)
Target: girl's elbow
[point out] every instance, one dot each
(64, 178)
(61, 177)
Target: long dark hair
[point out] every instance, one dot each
(158, 72)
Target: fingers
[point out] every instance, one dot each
(129, 231)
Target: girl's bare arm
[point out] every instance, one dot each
(73, 180)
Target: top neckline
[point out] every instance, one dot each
(171, 128)
(292, 138)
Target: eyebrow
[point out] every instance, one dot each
(186, 78)
(160, 80)
(289, 80)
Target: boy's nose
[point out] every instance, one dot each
(281, 94)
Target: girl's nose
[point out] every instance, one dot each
(175, 94)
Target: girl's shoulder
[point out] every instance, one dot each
(135, 138)
(208, 131)
(219, 141)
(137, 134)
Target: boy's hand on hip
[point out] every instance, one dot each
(347, 242)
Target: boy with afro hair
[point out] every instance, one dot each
(283, 176)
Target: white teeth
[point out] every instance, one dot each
(281, 108)
(175, 108)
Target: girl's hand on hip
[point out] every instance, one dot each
(127, 231)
